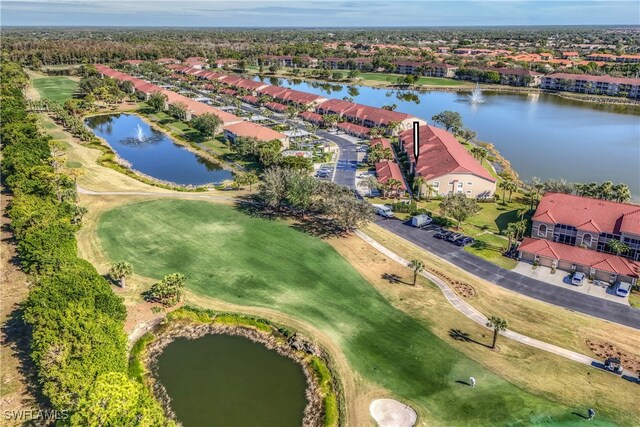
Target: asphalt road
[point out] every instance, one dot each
(524, 285)
(347, 164)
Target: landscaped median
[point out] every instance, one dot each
(325, 405)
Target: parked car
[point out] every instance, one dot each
(577, 278)
(443, 234)
(421, 221)
(623, 289)
(453, 237)
(434, 227)
(383, 211)
(464, 241)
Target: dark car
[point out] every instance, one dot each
(433, 227)
(443, 234)
(453, 237)
(464, 241)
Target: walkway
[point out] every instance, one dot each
(473, 314)
(525, 285)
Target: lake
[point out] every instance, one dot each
(153, 152)
(223, 380)
(540, 134)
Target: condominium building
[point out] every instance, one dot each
(599, 85)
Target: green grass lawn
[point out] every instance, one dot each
(57, 88)
(392, 78)
(245, 260)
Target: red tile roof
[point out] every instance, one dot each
(581, 256)
(250, 99)
(386, 170)
(196, 58)
(252, 130)
(378, 116)
(441, 154)
(383, 141)
(589, 78)
(275, 106)
(585, 213)
(311, 117)
(353, 128)
(133, 61)
(196, 108)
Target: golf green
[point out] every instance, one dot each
(234, 257)
(56, 88)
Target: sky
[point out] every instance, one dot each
(307, 13)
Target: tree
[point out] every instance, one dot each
(511, 187)
(371, 182)
(248, 178)
(119, 271)
(618, 247)
(507, 185)
(178, 110)
(207, 124)
(115, 400)
(498, 324)
(417, 267)
(353, 74)
(467, 135)
(418, 183)
(511, 233)
(538, 185)
(168, 291)
(297, 162)
(273, 188)
(459, 207)
(451, 120)
(300, 192)
(621, 193)
(157, 101)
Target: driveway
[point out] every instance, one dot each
(514, 281)
(345, 172)
(563, 279)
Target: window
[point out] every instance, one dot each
(459, 185)
(586, 239)
(469, 183)
(542, 230)
(468, 191)
(436, 184)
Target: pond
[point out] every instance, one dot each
(154, 153)
(223, 380)
(541, 135)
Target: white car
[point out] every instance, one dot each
(577, 278)
(623, 289)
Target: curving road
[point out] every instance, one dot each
(575, 301)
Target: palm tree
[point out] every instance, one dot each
(511, 187)
(621, 193)
(618, 247)
(418, 184)
(394, 185)
(538, 185)
(119, 271)
(417, 267)
(497, 324)
(504, 186)
(511, 232)
(605, 191)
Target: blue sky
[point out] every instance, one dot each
(305, 13)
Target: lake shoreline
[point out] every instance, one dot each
(192, 327)
(176, 141)
(592, 99)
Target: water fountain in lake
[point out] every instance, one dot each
(476, 95)
(140, 134)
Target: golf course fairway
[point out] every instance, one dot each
(234, 257)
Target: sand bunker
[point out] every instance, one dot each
(391, 413)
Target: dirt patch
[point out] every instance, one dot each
(463, 289)
(15, 389)
(604, 350)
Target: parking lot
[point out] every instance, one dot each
(563, 279)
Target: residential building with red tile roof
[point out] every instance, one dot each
(195, 108)
(252, 130)
(167, 61)
(312, 117)
(196, 58)
(446, 165)
(367, 116)
(590, 223)
(584, 83)
(570, 55)
(386, 170)
(597, 265)
(384, 142)
(196, 64)
(135, 62)
(353, 129)
(276, 106)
